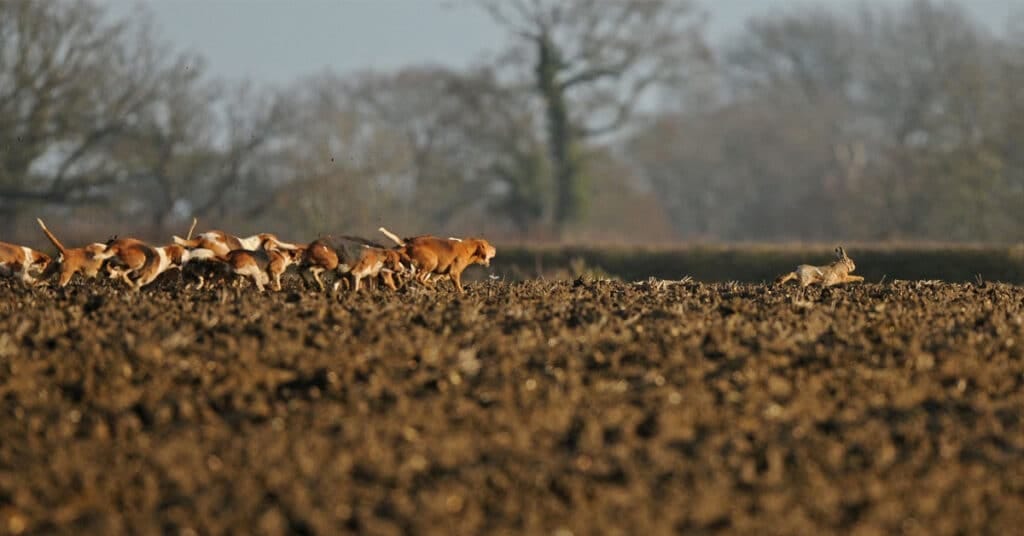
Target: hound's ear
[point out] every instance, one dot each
(481, 249)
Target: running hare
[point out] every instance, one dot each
(836, 273)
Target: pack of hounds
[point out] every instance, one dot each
(216, 256)
(263, 259)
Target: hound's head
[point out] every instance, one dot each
(316, 252)
(39, 261)
(178, 255)
(294, 255)
(394, 259)
(483, 250)
(99, 252)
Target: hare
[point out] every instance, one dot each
(836, 273)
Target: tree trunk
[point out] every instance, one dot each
(560, 136)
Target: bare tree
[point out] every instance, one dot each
(795, 131)
(423, 147)
(71, 82)
(871, 123)
(474, 144)
(417, 105)
(500, 133)
(204, 149)
(811, 52)
(930, 77)
(927, 72)
(343, 169)
(756, 171)
(592, 64)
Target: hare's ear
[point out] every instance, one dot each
(841, 253)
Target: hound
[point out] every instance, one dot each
(21, 261)
(444, 256)
(87, 259)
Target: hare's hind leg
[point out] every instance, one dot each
(783, 279)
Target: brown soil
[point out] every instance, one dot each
(540, 407)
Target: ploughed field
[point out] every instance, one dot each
(540, 407)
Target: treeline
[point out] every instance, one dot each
(867, 124)
(603, 120)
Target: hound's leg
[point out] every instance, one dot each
(127, 280)
(257, 278)
(65, 275)
(389, 280)
(424, 277)
(456, 278)
(26, 277)
(342, 281)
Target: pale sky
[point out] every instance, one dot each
(281, 40)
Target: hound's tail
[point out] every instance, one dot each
(394, 238)
(60, 247)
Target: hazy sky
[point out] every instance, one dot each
(279, 40)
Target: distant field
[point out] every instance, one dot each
(756, 263)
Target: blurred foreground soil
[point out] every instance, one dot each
(542, 407)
